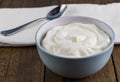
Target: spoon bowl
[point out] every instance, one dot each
(57, 12)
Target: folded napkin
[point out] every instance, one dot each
(10, 18)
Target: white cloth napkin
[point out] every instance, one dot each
(10, 18)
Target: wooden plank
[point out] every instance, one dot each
(81, 1)
(37, 70)
(109, 1)
(55, 2)
(24, 3)
(25, 66)
(5, 54)
(18, 70)
(116, 59)
(52, 77)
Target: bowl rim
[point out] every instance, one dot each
(66, 57)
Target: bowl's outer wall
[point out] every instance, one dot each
(76, 67)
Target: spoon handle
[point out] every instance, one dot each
(14, 30)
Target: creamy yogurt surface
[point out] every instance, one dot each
(75, 40)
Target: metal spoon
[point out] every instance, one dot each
(54, 13)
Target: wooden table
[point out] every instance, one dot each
(22, 64)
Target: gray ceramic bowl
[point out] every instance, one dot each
(74, 67)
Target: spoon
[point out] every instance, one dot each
(54, 13)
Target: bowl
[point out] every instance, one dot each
(74, 67)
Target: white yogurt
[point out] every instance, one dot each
(75, 40)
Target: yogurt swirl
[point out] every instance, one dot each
(75, 40)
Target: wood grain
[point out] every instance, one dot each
(116, 61)
(5, 55)
(37, 70)
(25, 66)
(17, 69)
(52, 77)
(55, 2)
(24, 3)
(81, 1)
(109, 1)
